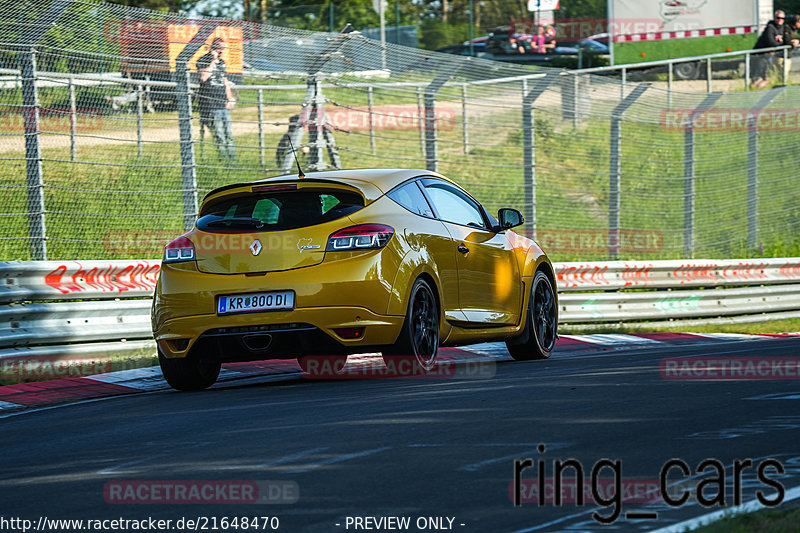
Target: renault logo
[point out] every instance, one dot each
(255, 248)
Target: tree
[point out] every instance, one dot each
(582, 9)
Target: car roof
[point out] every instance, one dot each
(365, 179)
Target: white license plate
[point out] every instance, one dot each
(253, 303)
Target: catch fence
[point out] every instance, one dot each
(105, 155)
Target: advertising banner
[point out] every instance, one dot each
(683, 15)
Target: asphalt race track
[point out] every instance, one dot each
(438, 452)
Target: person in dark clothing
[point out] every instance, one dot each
(791, 35)
(215, 98)
(771, 36)
(284, 145)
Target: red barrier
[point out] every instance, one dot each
(111, 278)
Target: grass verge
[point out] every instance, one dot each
(766, 521)
(26, 370)
(770, 326)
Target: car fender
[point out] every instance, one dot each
(414, 264)
(532, 259)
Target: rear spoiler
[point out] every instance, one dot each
(270, 182)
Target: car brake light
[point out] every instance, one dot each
(274, 188)
(361, 237)
(180, 249)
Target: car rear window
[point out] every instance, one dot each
(278, 211)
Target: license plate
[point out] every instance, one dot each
(254, 303)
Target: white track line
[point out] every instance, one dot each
(9, 405)
(289, 458)
(148, 378)
(776, 396)
(731, 336)
(338, 459)
(612, 339)
(551, 446)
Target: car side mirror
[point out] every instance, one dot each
(509, 218)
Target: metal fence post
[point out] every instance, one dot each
(747, 57)
(139, 118)
(670, 76)
(188, 164)
(30, 116)
(575, 97)
(708, 75)
(752, 166)
(261, 157)
(624, 82)
(33, 156)
(689, 175)
(615, 173)
(73, 120)
(431, 155)
(529, 147)
(316, 125)
(785, 66)
(420, 121)
(464, 125)
(371, 123)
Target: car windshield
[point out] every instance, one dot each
(278, 211)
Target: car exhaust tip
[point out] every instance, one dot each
(257, 342)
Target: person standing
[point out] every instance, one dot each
(539, 41)
(215, 98)
(772, 36)
(791, 35)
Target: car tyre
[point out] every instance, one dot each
(686, 71)
(418, 344)
(541, 323)
(323, 365)
(196, 371)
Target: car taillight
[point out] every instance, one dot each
(361, 237)
(181, 249)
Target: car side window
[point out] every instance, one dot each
(410, 196)
(453, 205)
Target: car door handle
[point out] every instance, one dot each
(463, 249)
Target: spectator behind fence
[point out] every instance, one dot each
(539, 40)
(544, 40)
(771, 36)
(215, 98)
(791, 35)
(550, 38)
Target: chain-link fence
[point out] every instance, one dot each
(106, 152)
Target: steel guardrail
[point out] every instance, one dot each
(678, 60)
(93, 307)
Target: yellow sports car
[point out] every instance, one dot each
(327, 264)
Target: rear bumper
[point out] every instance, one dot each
(347, 290)
(283, 334)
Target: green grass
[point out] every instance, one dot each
(631, 52)
(766, 521)
(768, 326)
(78, 367)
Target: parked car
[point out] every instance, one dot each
(497, 48)
(597, 44)
(342, 262)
